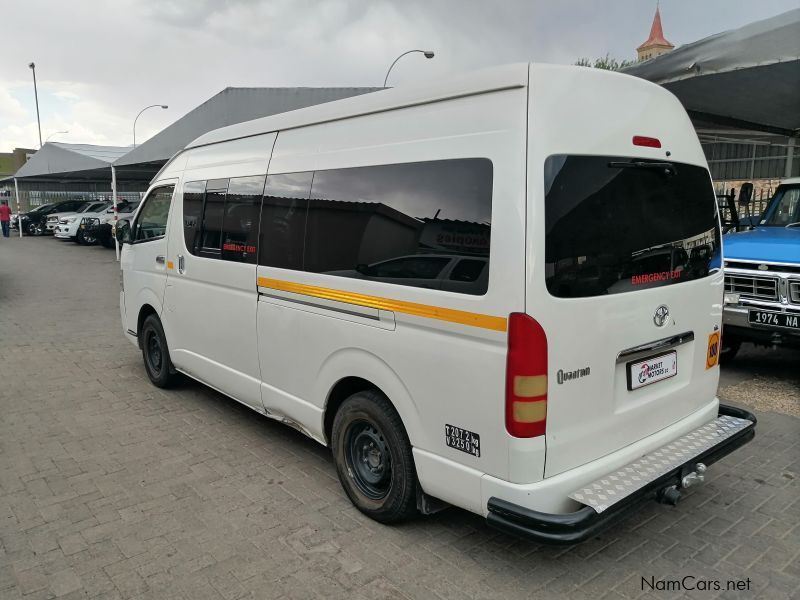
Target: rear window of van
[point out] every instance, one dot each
(620, 224)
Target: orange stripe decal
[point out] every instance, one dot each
(410, 308)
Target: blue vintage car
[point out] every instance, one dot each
(762, 277)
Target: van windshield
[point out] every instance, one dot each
(619, 224)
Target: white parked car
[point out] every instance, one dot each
(54, 219)
(540, 394)
(69, 228)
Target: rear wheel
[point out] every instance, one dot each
(373, 457)
(155, 353)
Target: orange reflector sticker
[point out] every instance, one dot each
(530, 412)
(530, 386)
(170, 264)
(712, 355)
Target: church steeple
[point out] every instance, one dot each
(656, 44)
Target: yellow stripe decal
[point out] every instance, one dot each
(410, 308)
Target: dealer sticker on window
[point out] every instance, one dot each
(652, 370)
(463, 440)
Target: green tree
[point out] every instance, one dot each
(605, 62)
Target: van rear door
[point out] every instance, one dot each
(626, 278)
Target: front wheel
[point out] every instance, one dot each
(155, 353)
(373, 458)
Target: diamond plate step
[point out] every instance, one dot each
(611, 488)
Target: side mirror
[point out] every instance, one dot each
(122, 233)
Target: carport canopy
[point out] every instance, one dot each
(746, 78)
(232, 105)
(56, 161)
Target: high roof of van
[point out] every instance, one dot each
(475, 82)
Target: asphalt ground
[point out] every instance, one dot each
(112, 488)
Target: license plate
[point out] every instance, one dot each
(774, 319)
(652, 370)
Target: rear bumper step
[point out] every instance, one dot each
(613, 496)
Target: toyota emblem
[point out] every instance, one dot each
(662, 316)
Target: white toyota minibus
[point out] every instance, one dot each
(501, 292)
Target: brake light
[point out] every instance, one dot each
(649, 142)
(526, 377)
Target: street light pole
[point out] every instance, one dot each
(140, 114)
(36, 95)
(427, 53)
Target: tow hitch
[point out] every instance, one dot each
(672, 494)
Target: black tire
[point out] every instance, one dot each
(85, 240)
(34, 229)
(730, 346)
(155, 353)
(373, 458)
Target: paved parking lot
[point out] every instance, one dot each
(111, 488)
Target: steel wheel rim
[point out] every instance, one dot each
(154, 352)
(368, 459)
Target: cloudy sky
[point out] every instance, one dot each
(99, 62)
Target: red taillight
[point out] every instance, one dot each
(526, 377)
(650, 142)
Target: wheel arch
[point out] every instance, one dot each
(350, 371)
(144, 311)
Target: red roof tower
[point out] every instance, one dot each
(656, 44)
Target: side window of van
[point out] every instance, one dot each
(193, 194)
(283, 220)
(220, 217)
(211, 225)
(240, 219)
(151, 224)
(426, 212)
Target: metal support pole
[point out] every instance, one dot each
(114, 197)
(19, 212)
(789, 157)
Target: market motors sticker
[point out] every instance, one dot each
(712, 355)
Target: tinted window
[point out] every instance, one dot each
(361, 217)
(151, 223)
(414, 267)
(468, 270)
(213, 211)
(193, 194)
(283, 220)
(616, 224)
(240, 220)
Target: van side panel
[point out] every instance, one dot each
(412, 342)
(210, 306)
